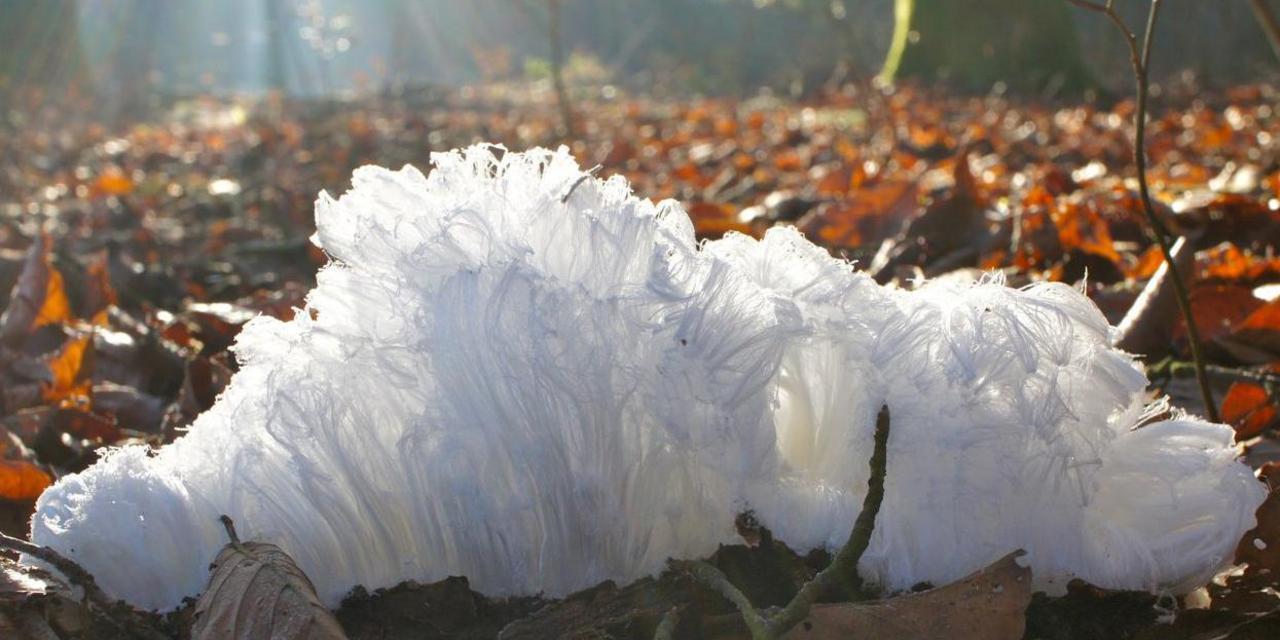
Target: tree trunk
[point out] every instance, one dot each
(973, 44)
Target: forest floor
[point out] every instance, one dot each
(131, 254)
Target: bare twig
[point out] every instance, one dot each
(576, 183)
(230, 526)
(68, 567)
(844, 567)
(1226, 374)
(1092, 6)
(1140, 59)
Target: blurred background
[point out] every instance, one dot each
(133, 52)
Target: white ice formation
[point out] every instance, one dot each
(529, 377)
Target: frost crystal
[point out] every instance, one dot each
(541, 393)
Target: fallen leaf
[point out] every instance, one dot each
(70, 368)
(1228, 262)
(712, 220)
(22, 480)
(257, 591)
(990, 604)
(1248, 409)
(113, 182)
(38, 297)
(1217, 309)
(868, 215)
(1256, 338)
(1260, 547)
(100, 295)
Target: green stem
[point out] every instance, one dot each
(902, 10)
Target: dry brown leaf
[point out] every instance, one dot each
(1260, 547)
(257, 591)
(1218, 309)
(38, 297)
(988, 605)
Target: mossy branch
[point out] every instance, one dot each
(843, 568)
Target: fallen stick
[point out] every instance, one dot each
(93, 594)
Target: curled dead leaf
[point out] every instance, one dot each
(257, 591)
(38, 297)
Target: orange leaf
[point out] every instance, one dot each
(1217, 309)
(68, 366)
(22, 480)
(27, 303)
(711, 220)
(1265, 318)
(56, 308)
(869, 214)
(113, 183)
(1227, 262)
(1248, 409)
(1146, 265)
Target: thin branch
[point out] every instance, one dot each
(230, 526)
(1140, 59)
(1092, 6)
(1226, 374)
(581, 179)
(708, 574)
(844, 567)
(66, 566)
(78, 576)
